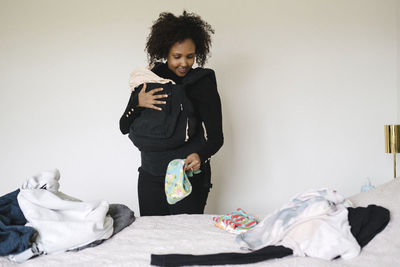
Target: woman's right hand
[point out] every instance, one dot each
(150, 99)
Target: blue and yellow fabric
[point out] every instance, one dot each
(177, 184)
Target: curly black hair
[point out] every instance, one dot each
(169, 29)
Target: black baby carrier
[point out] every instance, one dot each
(173, 126)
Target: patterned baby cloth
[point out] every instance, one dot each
(236, 222)
(177, 184)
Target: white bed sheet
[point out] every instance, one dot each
(195, 234)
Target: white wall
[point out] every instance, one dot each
(398, 60)
(306, 88)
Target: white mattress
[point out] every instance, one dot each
(195, 234)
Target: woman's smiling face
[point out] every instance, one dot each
(181, 57)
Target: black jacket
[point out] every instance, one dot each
(206, 101)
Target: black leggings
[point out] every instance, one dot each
(153, 201)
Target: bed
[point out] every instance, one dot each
(195, 234)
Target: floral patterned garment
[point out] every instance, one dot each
(177, 184)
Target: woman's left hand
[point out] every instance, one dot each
(192, 162)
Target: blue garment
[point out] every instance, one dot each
(177, 184)
(14, 236)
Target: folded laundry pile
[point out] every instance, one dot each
(236, 222)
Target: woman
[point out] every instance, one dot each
(178, 42)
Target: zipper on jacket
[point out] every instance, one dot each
(187, 127)
(187, 130)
